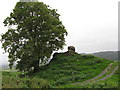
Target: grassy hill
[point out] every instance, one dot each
(63, 70)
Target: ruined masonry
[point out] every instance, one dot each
(71, 50)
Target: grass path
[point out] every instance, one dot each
(97, 80)
(101, 76)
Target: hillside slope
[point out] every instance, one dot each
(112, 55)
(65, 69)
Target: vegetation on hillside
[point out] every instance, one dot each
(34, 32)
(14, 80)
(62, 71)
(65, 69)
(112, 55)
(111, 82)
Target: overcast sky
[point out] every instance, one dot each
(92, 25)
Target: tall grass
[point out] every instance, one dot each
(13, 80)
(64, 69)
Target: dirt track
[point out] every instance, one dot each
(95, 79)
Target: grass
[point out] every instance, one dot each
(64, 69)
(111, 82)
(0, 79)
(13, 80)
(61, 72)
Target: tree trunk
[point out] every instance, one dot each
(36, 67)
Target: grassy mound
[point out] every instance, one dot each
(65, 69)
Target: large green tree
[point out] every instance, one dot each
(34, 32)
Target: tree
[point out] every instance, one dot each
(34, 32)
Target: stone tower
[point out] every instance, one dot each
(71, 50)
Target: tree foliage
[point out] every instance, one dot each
(34, 32)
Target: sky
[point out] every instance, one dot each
(92, 25)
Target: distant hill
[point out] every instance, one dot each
(112, 55)
(5, 66)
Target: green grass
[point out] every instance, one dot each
(61, 72)
(64, 69)
(13, 80)
(111, 82)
